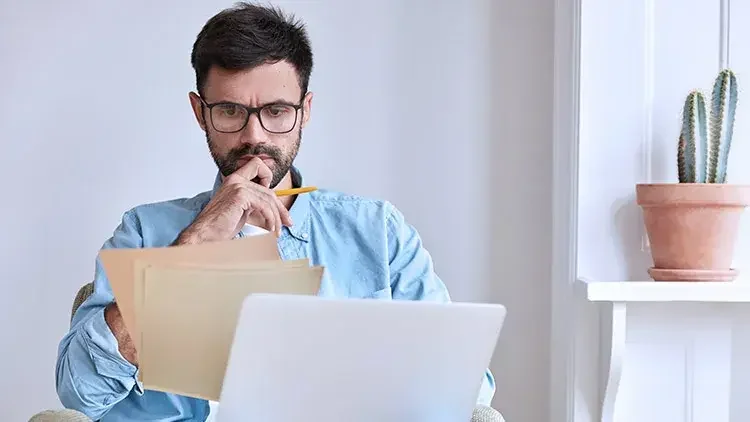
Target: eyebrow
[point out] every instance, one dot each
(275, 101)
(280, 101)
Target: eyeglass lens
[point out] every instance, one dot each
(278, 118)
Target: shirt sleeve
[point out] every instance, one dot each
(413, 278)
(91, 375)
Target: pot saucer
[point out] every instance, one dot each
(663, 274)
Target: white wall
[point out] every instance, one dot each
(639, 61)
(95, 120)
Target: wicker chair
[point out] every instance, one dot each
(480, 414)
(83, 293)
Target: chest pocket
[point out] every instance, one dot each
(379, 294)
(351, 288)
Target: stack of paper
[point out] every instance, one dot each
(180, 304)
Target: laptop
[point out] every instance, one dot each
(309, 358)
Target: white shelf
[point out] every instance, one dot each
(665, 291)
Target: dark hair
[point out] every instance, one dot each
(248, 35)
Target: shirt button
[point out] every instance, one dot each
(304, 235)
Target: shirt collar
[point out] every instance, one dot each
(300, 211)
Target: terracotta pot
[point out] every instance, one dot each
(692, 228)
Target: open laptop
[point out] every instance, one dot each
(308, 358)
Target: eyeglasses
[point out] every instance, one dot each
(277, 118)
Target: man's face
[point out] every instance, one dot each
(273, 85)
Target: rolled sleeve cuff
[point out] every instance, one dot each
(105, 354)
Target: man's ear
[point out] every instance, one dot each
(197, 105)
(306, 107)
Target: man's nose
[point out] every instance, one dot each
(254, 132)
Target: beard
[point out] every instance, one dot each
(229, 163)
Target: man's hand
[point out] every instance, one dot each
(239, 200)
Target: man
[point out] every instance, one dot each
(252, 67)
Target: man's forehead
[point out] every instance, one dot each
(259, 85)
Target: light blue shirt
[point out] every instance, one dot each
(368, 251)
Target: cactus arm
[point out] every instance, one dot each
(727, 130)
(701, 162)
(723, 105)
(687, 167)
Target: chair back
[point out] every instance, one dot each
(83, 293)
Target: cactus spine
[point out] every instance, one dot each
(701, 159)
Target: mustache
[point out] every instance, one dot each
(259, 149)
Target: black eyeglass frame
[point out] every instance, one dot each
(251, 111)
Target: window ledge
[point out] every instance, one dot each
(663, 291)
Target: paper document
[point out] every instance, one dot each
(180, 304)
(189, 320)
(140, 272)
(119, 265)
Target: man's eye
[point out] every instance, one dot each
(229, 111)
(277, 110)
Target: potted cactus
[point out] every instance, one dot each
(692, 225)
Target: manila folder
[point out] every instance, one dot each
(142, 266)
(189, 320)
(120, 266)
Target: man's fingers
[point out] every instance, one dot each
(256, 170)
(269, 211)
(249, 170)
(268, 217)
(277, 212)
(265, 175)
(286, 219)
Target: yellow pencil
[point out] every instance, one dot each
(287, 192)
